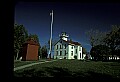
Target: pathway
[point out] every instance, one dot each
(28, 65)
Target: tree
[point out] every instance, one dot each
(99, 52)
(112, 40)
(107, 40)
(20, 36)
(95, 37)
(84, 51)
(44, 52)
(35, 37)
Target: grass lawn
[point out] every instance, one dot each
(73, 68)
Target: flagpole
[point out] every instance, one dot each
(51, 34)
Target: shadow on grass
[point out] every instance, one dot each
(63, 72)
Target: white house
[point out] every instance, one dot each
(67, 49)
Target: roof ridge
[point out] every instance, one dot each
(72, 42)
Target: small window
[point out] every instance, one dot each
(60, 53)
(60, 46)
(76, 51)
(80, 55)
(71, 47)
(65, 52)
(71, 53)
(57, 47)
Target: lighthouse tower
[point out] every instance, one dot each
(64, 36)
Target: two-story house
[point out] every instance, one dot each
(67, 49)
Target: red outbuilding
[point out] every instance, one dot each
(30, 50)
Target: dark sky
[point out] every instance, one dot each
(73, 18)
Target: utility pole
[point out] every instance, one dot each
(51, 14)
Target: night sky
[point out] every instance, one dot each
(73, 18)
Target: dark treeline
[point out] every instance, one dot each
(105, 44)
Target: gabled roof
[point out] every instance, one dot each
(57, 42)
(69, 42)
